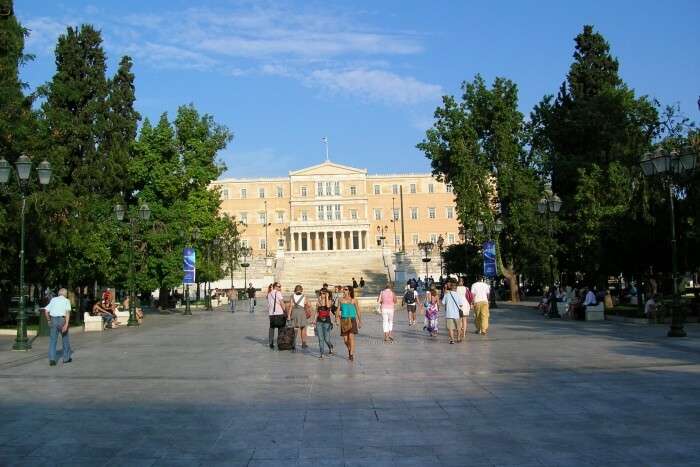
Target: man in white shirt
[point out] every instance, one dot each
(480, 291)
(58, 316)
(453, 303)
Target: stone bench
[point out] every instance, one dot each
(595, 312)
(123, 316)
(92, 323)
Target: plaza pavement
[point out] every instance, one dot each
(206, 390)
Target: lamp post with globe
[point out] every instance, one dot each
(550, 205)
(23, 170)
(667, 164)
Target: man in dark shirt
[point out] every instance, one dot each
(251, 297)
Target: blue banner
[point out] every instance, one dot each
(188, 265)
(490, 259)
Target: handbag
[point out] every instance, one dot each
(310, 331)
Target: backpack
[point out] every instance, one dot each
(409, 297)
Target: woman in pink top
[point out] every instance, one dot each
(386, 301)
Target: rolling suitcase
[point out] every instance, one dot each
(285, 338)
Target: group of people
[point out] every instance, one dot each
(232, 295)
(331, 306)
(299, 313)
(570, 303)
(107, 308)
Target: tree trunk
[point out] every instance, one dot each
(163, 298)
(512, 277)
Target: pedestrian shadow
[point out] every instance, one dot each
(258, 340)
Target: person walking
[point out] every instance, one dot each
(466, 294)
(480, 291)
(431, 312)
(354, 283)
(386, 301)
(362, 282)
(275, 310)
(232, 299)
(323, 322)
(410, 301)
(58, 316)
(453, 303)
(250, 291)
(350, 319)
(299, 312)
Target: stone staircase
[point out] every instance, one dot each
(311, 270)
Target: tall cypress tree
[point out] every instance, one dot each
(591, 137)
(121, 126)
(16, 128)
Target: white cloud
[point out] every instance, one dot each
(375, 85)
(325, 49)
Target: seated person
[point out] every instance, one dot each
(650, 307)
(106, 309)
(137, 309)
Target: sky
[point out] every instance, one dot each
(367, 75)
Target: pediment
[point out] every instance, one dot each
(328, 168)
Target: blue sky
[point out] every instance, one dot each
(366, 74)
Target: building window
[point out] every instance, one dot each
(329, 212)
(280, 192)
(396, 214)
(449, 188)
(280, 243)
(412, 188)
(261, 192)
(414, 214)
(329, 188)
(450, 212)
(304, 215)
(319, 214)
(397, 241)
(450, 238)
(224, 194)
(244, 193)
(262, 217)
(353, 190)
(263, 244)
(377, 214)
(303, 192)
(336, 188)
(431, 213)
(415, 239)
(431, 188)
(244, 243)
(244, 218)
(353, 214)
(433, 238)
(280, 216)
(395, 189)
(319, 189)
(377, 189)
(337, 212)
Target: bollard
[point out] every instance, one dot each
(43, 324)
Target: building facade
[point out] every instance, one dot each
(332, 207)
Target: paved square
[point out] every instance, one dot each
(206, 390)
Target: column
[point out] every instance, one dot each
(339, 239)
(294, 241)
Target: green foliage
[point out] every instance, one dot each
(477, 145)
(590, 139)
(173, 166)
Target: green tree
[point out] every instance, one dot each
(590, 139)
(173, 167)
(17, 124)
(477, 145)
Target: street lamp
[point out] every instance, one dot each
(245, 252)
(193, 237)
(440, 244)
(490, 231)
(23, 168)
(666, 164)
(549, 205)
(427, 247)
(144, 213)
(382, 237)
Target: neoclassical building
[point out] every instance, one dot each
(333, 207)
